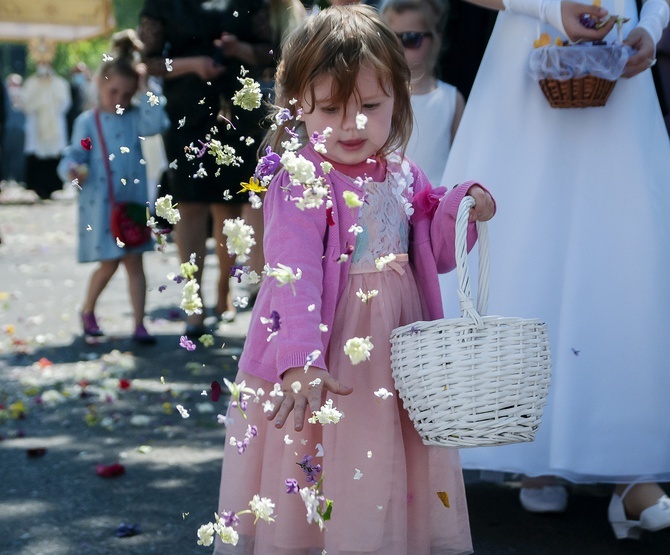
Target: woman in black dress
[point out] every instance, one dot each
(198, 47)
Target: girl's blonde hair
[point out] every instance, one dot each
(338, 42)
(126, 47)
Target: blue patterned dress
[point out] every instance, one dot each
(121, 132)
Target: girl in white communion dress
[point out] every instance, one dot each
(581, 240)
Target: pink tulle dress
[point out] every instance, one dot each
(387, 487)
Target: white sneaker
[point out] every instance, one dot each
(547, 499)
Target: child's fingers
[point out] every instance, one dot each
(314, 396)
(334, 386)
(299, 412)
(484, 207)
(285, 408)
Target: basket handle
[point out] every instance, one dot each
(464, 290)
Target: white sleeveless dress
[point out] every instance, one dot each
(581, 239)
(431, 136)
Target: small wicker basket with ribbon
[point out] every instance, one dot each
(475, 380)
(579, 75)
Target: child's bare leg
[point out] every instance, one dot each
(137, 286)
(191, 238)
(97, 283)
(221, 212)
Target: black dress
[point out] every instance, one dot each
(180, 28)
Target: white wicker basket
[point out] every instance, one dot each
(475, 380)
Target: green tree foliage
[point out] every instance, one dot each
(90, 52)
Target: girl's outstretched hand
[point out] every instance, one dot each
(484, 207)
(302, 389)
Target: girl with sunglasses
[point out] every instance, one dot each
(437, 105)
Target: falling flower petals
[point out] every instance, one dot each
(361, 120)
(249, 96)
(311, 357)
(127, 530)
(207, 340)
(165, 209)
(206, 534)
(358, 349)
(215, 391)
(382, 261)
(182, 411)
(351, 199)
(326, 415)
(292, 485)
(312, 503)
(284, 275)
(186, 343)
(444, 497)
(383, 393)
(253, 185)
(239, 238)
(109, 471)
(366, 297)
(262, 508)
(191, 303)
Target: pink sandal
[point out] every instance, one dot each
(143, 337)
(90, 325)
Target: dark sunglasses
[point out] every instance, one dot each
(412, 39)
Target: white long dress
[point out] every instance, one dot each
(581, 239)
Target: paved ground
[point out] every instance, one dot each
(87, 405)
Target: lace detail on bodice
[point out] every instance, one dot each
(384, 221)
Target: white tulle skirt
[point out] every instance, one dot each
(581, 239)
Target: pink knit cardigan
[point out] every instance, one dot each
(304, 240)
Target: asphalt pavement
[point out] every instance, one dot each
(70, 411)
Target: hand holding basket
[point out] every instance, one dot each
(475, 380)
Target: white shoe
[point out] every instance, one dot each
(652, 519)
(657, 516)
(547, 499)
(623, 527)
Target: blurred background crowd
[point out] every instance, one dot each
(59, 69)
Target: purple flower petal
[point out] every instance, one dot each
(186, 343)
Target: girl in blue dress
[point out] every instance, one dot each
(122, 124)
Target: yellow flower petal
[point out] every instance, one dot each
(253, 185)
(444, 498)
